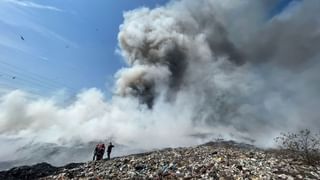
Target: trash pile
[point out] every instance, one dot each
(214, 160)
(222, 160)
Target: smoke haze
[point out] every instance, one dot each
(196, 71)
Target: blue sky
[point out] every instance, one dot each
(281, 6)
(68, 44)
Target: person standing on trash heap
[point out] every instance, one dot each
(109, 149)
(99, 152)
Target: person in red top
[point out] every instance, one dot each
(99, 152)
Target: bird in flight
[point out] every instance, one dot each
(22, 38)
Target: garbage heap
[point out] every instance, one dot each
(218, 160)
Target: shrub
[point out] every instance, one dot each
(303, 143)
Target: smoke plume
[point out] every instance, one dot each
(196, 71)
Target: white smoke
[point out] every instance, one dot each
(197, 70)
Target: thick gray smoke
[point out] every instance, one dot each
(171, 41)
(235, 64)
(197, 70)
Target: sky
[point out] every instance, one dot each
(63, 45)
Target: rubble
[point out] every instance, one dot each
(211, 161)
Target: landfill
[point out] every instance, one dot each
(215, 160)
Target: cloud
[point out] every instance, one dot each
(29, 4)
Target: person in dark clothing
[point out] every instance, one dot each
(99, 152)
(109, 149)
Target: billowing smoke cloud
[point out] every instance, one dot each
(237, 65)
(197, 70)
(171, 41)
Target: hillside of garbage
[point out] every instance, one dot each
(213, 160)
